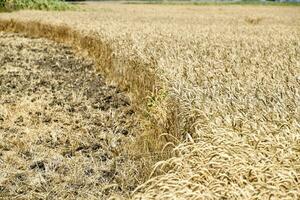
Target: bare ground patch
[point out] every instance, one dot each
(62, 128)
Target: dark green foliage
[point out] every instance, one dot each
(34, 4)
(2, 3)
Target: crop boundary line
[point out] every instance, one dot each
(102, 55)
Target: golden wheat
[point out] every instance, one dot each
(218, 83)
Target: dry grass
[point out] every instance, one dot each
(220, 84)
(62, 129)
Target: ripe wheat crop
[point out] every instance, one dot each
(216, 90)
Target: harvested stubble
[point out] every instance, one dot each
(220, 84)
(61, 127)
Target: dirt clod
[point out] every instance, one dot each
(39, 165)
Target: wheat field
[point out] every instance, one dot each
(215, 90)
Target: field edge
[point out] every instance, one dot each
(147, 91)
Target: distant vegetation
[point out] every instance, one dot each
(214, 2)
(33, 4)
